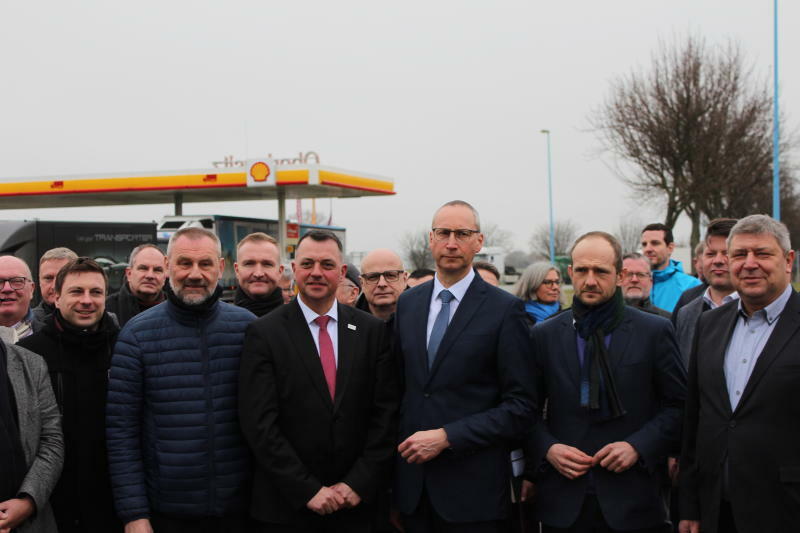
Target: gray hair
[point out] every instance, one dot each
(531, 279)
(194, 233)
(139, 248)
(762, 225)
(461, 203)
(58, 253)
(287, 275)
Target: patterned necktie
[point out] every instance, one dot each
(439, 326)
(326, 355)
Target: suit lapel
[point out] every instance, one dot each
(420, 307)
(620, 338)
(473, 299)
(716, 357)
(347, 351)
(784, 330)
(569, 349)
(300, 334)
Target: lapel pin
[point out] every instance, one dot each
(351, 326)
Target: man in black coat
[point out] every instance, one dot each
(613, 385)
(77, 342)
(258, 270)
(740, 466)
(318, 402)
(144, 284)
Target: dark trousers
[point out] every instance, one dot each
(356, 520)
(726, 523)
(206, 524)
(426, 520)
(591, 520)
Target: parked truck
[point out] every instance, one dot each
(108, 243)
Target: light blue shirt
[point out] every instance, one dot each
(333, 329)
(459, 289)
(750, 335)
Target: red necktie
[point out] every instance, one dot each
(326, 355)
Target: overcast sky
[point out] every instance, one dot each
(445, 97)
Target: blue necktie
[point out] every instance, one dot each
(439, 326)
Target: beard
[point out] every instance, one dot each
(191, 299)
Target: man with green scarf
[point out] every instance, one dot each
(614, 386)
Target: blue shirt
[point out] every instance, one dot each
(750, 335)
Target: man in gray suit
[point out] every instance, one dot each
(31, 443)
(720, 290)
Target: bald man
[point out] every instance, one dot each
(383, 279)
(16, 292)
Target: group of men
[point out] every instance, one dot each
(163, 408)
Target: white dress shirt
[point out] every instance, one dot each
(725, 299)
(458, 289)
(333, 328)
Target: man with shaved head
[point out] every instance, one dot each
(16, 292)
(383, 279)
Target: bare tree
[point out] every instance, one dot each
(494, 235)
(416, 249)
(565, 232)
(694, 130)
(629, 233)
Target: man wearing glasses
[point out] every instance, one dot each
(637, 282)
(383, 279)
(15, 297)
(463, 347)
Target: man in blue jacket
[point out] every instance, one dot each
(669, 279)
(177, 457)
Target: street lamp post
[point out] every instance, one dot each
(550, 200)
(776, 180)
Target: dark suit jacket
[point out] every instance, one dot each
(651, 383)
(761, 438)
(300, 438)
(479, 390)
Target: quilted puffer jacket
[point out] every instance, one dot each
(172, 427)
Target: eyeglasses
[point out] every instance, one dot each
(640, 275)
(443, 234)
(389, 275)
(551, 282)
(16, 283)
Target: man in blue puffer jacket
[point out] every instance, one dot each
(669, 279)
(177, 458)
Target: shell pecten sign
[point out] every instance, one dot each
(260, 173)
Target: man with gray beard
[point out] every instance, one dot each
(177, 458)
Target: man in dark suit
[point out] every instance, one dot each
(318, 403)
(740, 466)
(614, 386)
(468, 395)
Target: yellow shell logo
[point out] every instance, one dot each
(260, 171)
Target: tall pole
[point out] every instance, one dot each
(550, 200)
(776, 180)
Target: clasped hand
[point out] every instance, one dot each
(330, 499)
(572, 463)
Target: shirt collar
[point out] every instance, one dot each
(311, 315)
(772, 311)
(458, 289)
(725, 299)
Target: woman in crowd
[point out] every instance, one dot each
(540, 288)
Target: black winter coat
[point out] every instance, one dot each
(79, 362)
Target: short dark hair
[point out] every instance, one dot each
(610, 239)
(321, 235)
(658, 226)
(421, 273)
(720, 227)
(487, 266)
(79, 266)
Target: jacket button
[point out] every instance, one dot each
(732, 424)
(427, 395)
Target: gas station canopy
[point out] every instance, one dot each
(260, 179)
